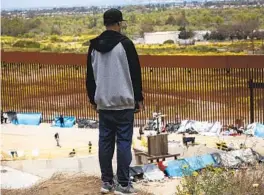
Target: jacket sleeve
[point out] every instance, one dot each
(134, 68)
(90, 81)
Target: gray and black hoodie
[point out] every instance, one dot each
(113, 79)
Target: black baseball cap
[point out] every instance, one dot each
(113, 16)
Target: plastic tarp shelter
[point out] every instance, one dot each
(202, 127)
(69, 121)
(259, 130)
(178, 168)
(27, 119)
(255, 129)
(200, 162)
(186, 166)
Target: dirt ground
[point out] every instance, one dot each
(62, 184)
(41, 138)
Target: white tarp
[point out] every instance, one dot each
(202, 127)
(255, 129)
(152, 173)
(237, 157)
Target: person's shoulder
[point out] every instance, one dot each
(127, 42)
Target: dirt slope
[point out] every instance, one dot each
(63, 184)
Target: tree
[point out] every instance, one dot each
(218, 20)
(181, 20)
(185, 34)
(133, 18)
(93, 22)
(259, 35)
(171, 20)
(217, 35)
(13, 27)
(33, 24)
(146, 26)
(55, 30)
(245, 28)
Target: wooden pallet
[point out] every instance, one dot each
(145, 158)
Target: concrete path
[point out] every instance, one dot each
(11, 178)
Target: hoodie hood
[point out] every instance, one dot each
(107, 41)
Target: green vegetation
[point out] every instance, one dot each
(139, 19)
(213, 181)
(71, 33)
(27, 44)
(79, 44)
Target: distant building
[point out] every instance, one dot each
(139, 41)
(161, 37)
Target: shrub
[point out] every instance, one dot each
(26, 44)
(212, 181)
(55, 38)
(29, 35)
(169, 42)
(203, 48)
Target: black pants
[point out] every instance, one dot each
(3, 120)
(115, 126)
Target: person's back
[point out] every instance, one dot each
(114, 89)
(112, 68)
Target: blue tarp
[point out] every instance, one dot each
(183, 167)
(69, 121)
(178, 168)
(259, 130)
(27, 119)
(200, 162)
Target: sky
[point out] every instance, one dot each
(22, 4)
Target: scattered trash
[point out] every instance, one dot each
(3, 171)
(152, 173)
(136, 173)
(187, 140)
(72, 153)
(88, 123)
(235, 158)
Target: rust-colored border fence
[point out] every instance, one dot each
(208, 88)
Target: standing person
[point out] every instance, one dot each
(2, 117)
(61, 119)
(5, 117)
(57, 138)
(114, 87)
